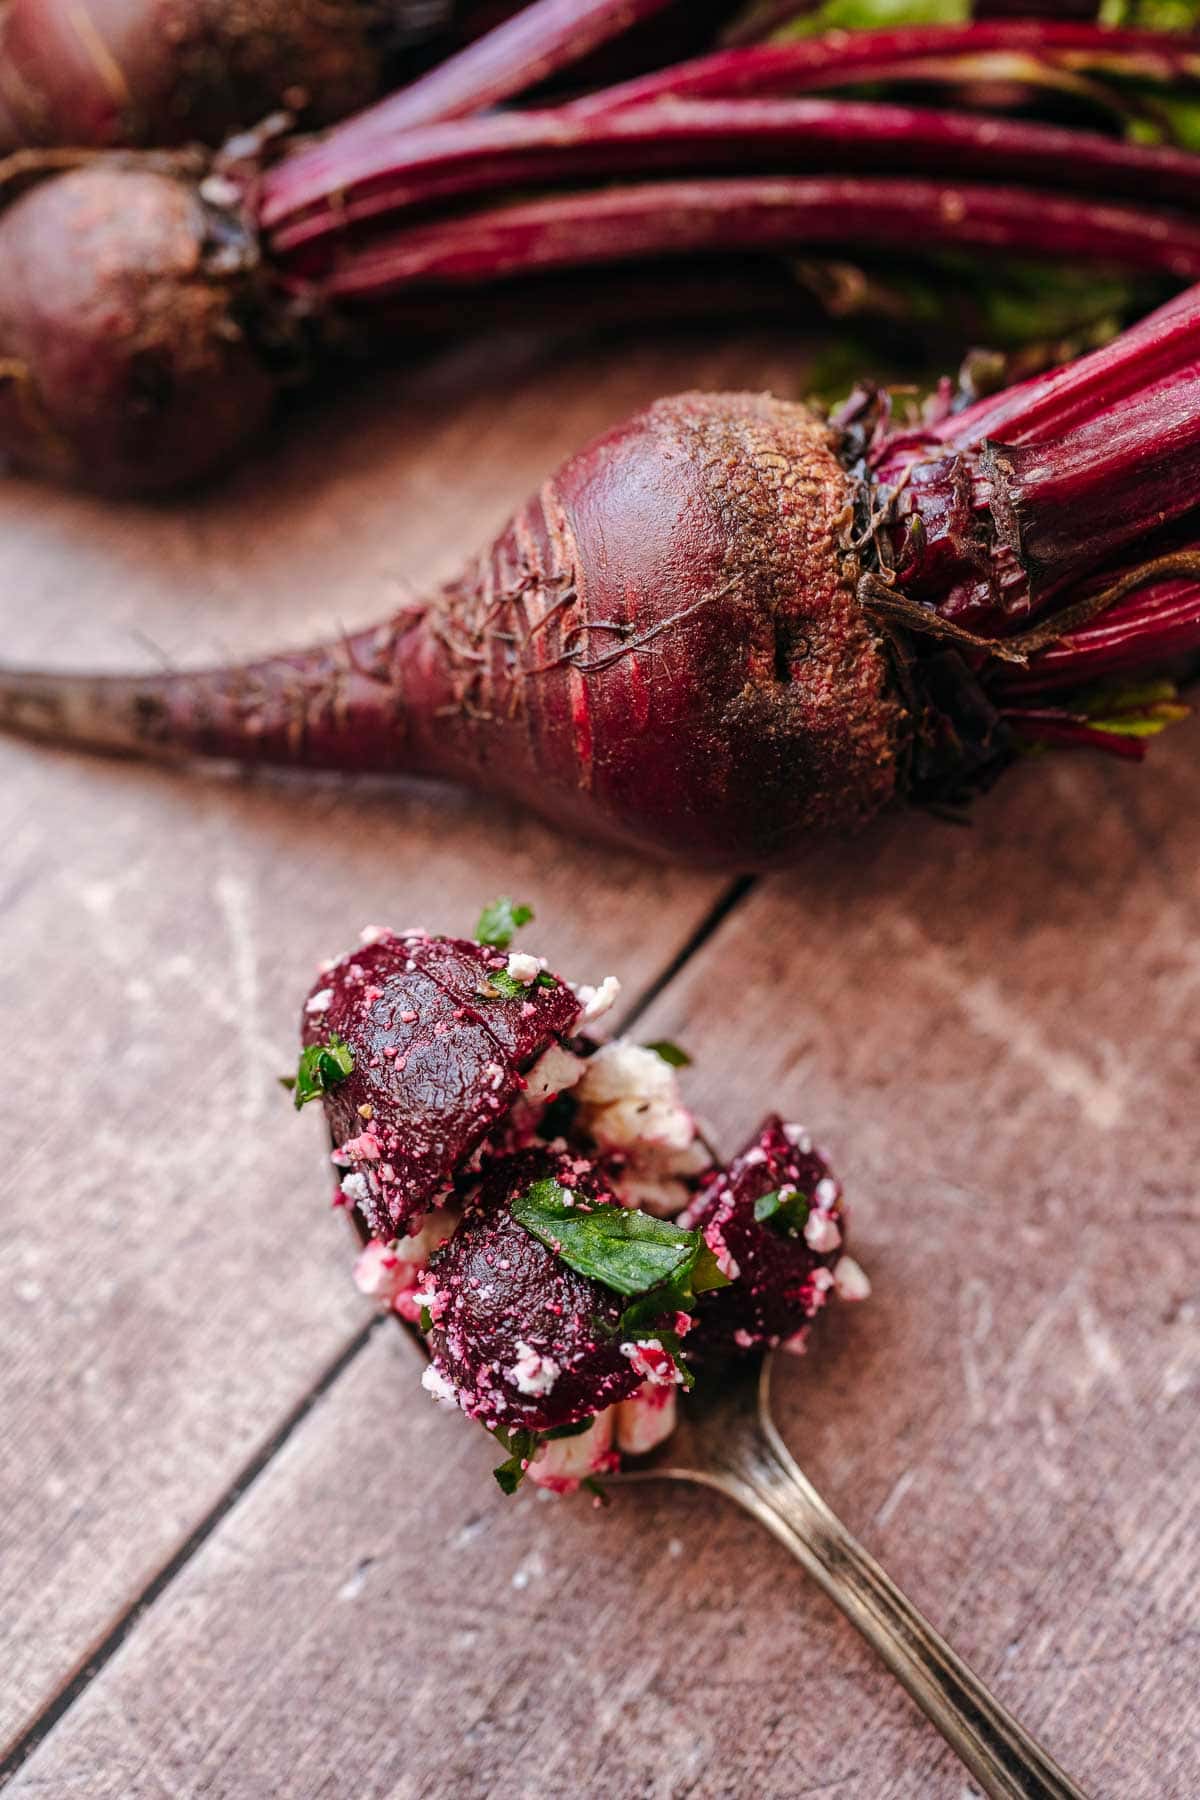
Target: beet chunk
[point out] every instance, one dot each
(439, 1056)
(524, 1341)
(784, 1261)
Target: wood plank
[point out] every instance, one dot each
(172, 1286)
(992, 1032)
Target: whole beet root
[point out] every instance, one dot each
(137, 366)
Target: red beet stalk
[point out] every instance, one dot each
(763, 213)
(499, 152)
(694, 638)
(1019, 50)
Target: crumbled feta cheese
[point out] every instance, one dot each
(554, 1072)
(630, 1097)
(826, 1192)
(433, 1230)
(646, 1419)
(533, 1373)
(660, 1195)
(355, 1189)
(319, 1003)
(798, 1138)
(821, 1233)
(435, 1383)
(596, 1001)
(379, 1273)
(523, 968)
(850, 1281)
(562, 1464)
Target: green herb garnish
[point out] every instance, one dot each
(520, 1446)
(500, 922)
(670, 1053)
(785, 1210)
(321, 1067)
(426, 1319)
(505, 986)
(658, 1266)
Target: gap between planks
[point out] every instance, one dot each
(97, 1659)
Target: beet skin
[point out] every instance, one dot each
(131, 369)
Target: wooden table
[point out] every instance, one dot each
(241, 1554)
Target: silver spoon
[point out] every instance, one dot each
(726, 1439)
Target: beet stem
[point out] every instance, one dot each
(527, 49)
(522, 149)
(841, 58)
(763, 213)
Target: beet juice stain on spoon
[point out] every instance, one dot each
(592, 1286)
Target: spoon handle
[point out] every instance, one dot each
(1006, 1762)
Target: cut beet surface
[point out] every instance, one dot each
(439, 1058)
(782, 1263)
(524, 1341)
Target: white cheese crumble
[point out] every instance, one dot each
(630, 1097)
(563, 1463)
(523, 968)
(533, 1373)
(355, 1188)
(433, 1230)
(435, 1383)
(645, 1420)
(821, 1233)
(850, 1281)
(379, 1273)
(554, 1072)
(596, 1001)
(319, 1003)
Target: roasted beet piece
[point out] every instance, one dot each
(439, 1056)
(524, 1341)
(783, 1262)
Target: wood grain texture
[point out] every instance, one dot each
(992, 1034)
(171, 1284)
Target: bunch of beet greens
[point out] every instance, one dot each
(729, 624)
(151, 305)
